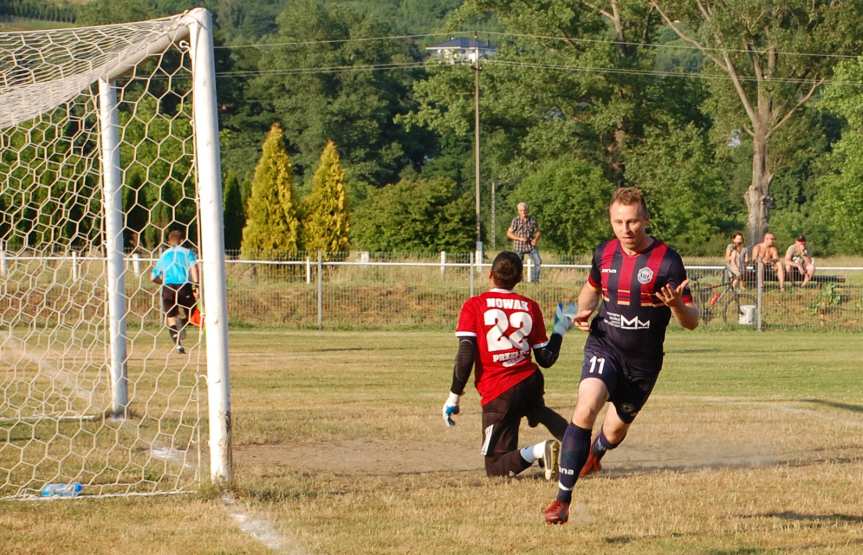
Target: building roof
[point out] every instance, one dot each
(463, 43)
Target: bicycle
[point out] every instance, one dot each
(721, 299)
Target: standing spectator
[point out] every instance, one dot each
(177, 272)
(797, 257)
(735, 259)
(767, 253)
(524, 233)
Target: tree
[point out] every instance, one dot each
(354, 108)
(690, 207)
(534, 108)
(764, 51)
(326, 225)
(569, 199)
(234, 212)
(272, 227)
(839, 203)
(416, 215)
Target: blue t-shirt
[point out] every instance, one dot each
(174, 266)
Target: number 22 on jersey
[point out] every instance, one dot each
(496, 337)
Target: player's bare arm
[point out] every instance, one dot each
(672, 297)
(588, 300)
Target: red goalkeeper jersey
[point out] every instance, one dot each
(506, 326)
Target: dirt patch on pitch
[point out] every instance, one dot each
(373, 458)
(724, 435)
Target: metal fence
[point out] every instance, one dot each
(386, 291)
(368, 290)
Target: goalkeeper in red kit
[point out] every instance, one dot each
(497, 331)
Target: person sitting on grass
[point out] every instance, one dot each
(767, 254)
(797, 258)
(735, 260)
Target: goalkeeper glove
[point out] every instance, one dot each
(450, 407)
(563, 318)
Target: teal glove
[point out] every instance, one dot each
(563, 316)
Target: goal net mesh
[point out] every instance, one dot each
(57, 421)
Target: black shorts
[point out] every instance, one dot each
(501, 417)
(176, 296)
(628, 388)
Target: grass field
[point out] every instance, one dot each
(750, 444)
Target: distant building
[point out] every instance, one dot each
(461, 50)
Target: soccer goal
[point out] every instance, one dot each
(109, 141)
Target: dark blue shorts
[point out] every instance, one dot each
(628, 388)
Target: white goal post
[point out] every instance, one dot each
(109, 141)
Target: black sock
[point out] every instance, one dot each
(601, 445)
(573, 454)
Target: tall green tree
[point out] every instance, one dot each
(305, 84)
(534, 107)
(326, 224)
(690, 207)
(839, 203)
(234, 212)
(764, 51)
(272, 227)
(416, 215)
(569, 199)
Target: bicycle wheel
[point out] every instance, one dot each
(731, 304)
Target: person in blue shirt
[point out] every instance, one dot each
(177, 272)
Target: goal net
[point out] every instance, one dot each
(108, 142)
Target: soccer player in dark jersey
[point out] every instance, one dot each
(496, 332)
(642, 283)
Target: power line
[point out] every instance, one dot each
(661, 73)
(533, 65)
(671, 46)
(327, 41)
(468, 34)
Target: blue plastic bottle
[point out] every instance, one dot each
(72, 489)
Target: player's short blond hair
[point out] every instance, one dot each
(628, 196)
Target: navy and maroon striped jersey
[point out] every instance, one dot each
(632, 320)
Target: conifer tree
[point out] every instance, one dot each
(326, 224)
(234, 212)
(272, 227)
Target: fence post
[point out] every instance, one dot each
(529, 269)
(308, 270)
(74, 267)
(4, 263)
(320, 290)
(759, 295)
(471, 276)
(136, 264)
(442, 262)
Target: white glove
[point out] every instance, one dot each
(450, 407)
(563, 316)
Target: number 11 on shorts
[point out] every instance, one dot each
(593, 365)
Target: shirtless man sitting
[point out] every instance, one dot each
(766, 253)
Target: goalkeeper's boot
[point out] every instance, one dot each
(591, 465)
(181, 349)
(557, 512)
(550, 458)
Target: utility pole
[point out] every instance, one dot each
(493, 223)
(476, 144)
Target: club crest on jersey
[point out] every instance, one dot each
(645, 276)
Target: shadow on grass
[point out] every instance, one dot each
(803, 517)
(834, 404)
